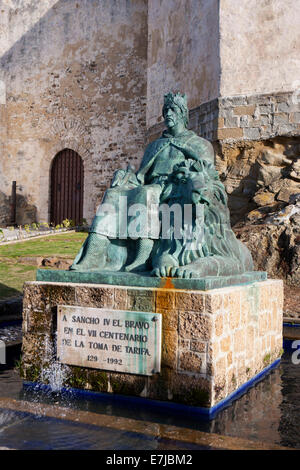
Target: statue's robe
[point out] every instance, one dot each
(154, 183)
(117, 216)
(200, 146)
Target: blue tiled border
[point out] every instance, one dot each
(241, 390)
(288, 344)
(291, 325)
(208, 413)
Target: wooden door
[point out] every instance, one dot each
(66, 187)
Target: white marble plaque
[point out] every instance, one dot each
(114, 340)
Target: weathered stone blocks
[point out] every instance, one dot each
(212, 341)
(247, 117)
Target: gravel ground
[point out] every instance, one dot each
(11, 333)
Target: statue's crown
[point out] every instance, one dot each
(176, 98)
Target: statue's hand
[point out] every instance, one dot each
(118, 178)
(125, 178)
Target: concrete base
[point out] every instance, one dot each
(213, 342)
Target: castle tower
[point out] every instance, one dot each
(88, 77)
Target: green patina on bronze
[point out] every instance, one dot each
(139, 280)
(177, 170)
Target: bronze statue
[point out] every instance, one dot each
(177, 173)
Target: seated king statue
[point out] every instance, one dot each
(170, 219)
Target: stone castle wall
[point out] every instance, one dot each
(75, 77)
(222, 49)
(252, 117)
(259, 46)
(183, 52)
(91, 75)
(248, 117)
(256, 141)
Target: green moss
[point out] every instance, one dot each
(194, 397)
(78, 378)
(118, 387)
(127, 385)
(199, 397)
(98, 381)
(85, 378)
(122, 388)
(267, 359)
(32, 373)
(19, 367)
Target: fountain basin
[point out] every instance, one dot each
(214, 342)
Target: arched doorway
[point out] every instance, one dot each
(66, 187)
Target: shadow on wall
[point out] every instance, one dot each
(55, 66)
(26, 213)
(44, 31)
(259, 176)
(4, 209)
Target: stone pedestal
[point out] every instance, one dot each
(213, 342)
